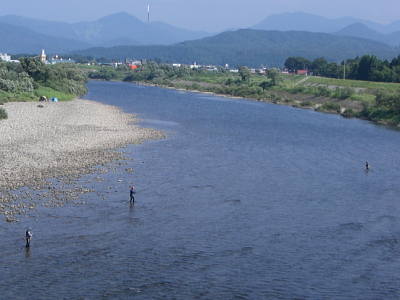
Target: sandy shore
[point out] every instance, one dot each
(61, 139)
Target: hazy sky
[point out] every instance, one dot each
(208, 15)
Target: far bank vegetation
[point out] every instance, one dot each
(358, 97)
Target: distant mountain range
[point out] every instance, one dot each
(117, 34)
(113, 30)
(252, 48)
(360, 30)
(347, 26)
(17, 40)
(307, 22)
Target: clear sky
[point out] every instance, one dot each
(208, 15)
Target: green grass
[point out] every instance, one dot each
(41, 91)
(211, 77)
(353, 83)
(293, 78)
(3, 97)
(49, 92)
(368, 98)
(11, 97)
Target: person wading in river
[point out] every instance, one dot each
(132, 192)
(28, 235)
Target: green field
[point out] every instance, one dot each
(353, 83)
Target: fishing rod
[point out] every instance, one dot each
(157, 185)
(358, 159)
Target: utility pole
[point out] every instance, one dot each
(344, 69)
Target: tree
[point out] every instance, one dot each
(297, 63)
(35, 68)
(183, 71)
(275, 76)
(244, 73)
(319, 66)
(122, 67)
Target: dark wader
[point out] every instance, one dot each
(28, 238)
(132, 197)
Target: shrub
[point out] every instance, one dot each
(195, 86)
(343, 93)
(328, 106)
(395, 120)
(298, 89)
(348, 113)
(274, 97)
(3, 113)
(324, 91)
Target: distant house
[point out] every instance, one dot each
(211, 68)
(54, 61)
(297, 72)
(7, 58)
(133, 64)
(129, 61)
(195, 66)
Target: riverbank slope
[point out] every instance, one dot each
(281, 97)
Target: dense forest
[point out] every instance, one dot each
(31, 79)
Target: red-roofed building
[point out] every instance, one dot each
(302, 72)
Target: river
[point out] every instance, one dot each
(243, 200)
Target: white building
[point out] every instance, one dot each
(5, 57)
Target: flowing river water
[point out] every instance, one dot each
(243, 200)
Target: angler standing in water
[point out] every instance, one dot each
(132, 192)
(28, 235)
(367, 166)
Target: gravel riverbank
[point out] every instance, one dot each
(42, 140)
